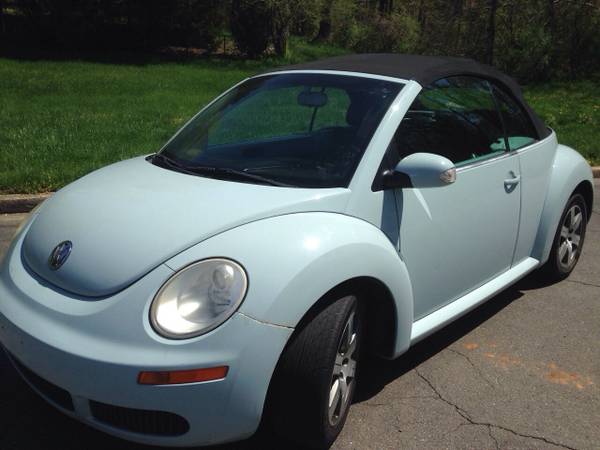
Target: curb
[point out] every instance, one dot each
(21, 203)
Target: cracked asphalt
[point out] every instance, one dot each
(520, 372)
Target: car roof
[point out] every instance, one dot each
(422, 69)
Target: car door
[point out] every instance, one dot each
(455, 238)
(535, 159)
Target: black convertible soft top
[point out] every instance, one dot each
(422, 69)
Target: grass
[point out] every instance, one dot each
(572, 109)
(60, 120)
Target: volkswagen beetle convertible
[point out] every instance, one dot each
(303, 218)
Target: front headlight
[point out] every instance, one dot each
(198, 298)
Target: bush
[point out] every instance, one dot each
(394, 33)
(250, 24)
(346, 30)
(306, 16)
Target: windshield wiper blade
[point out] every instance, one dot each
(171, 163)
(216, 171)
(220, 171)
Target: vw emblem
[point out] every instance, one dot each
(60, 254)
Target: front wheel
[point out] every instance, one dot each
(315, 379)
(568, 240)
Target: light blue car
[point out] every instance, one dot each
(304, 217)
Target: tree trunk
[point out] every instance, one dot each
(281, 43)
(553, 41)
(324, 32)
(491, 32)
(385, 6)
(422, 17)
(2, 23)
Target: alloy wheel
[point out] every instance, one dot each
(344, 371)
(570, 238)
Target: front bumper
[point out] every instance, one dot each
(91, 352)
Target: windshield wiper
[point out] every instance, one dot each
(226, 171)
(216, 171)
(171, 163)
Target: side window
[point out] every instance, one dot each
(455, 117)
(519, 130)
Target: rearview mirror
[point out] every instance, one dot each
(312, 99)
(421, 170)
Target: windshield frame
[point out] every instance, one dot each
(399, 81)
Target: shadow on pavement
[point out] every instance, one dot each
(27, 422)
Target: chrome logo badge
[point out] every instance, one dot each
(60, 254)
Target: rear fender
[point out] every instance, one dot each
(569, 169)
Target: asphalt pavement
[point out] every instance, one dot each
(520, 372)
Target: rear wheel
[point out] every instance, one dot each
(568, 240)
(315, 379)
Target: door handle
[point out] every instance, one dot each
(511, 183)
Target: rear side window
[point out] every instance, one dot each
(519, 129)
(454, 117)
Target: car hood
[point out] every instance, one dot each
(128, 218)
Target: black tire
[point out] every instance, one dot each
(555, 268)
(298, 401)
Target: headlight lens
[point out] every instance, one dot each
(198, 298)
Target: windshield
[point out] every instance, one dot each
(304, 130)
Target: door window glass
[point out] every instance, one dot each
(519, 130)
(454, 117)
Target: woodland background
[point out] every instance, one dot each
(84, 83)
(533, 40)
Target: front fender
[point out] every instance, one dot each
(293, 260)
(569, 169)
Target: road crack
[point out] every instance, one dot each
(496, 443)
(470, 421)
(583, 283)
(475, 368)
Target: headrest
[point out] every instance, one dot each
(357, 110)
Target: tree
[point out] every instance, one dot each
(281, 14)
(324, 33)
(491, 32)
(2, 22)
(250, 23)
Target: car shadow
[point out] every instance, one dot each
(27, 422)
(376, 373)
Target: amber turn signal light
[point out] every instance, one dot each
(183, 376)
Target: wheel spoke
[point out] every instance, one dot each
(564, 232)
(351, 346)
(563, 250)
(575, 240)
(343, 388)
(570, 252)
(576, 221)
(335, 397)
(339, 364)
(348, 334)
(350, 369)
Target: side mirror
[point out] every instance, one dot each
(421, 170)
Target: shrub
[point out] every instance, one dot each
(250, 23)
(394, 33)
